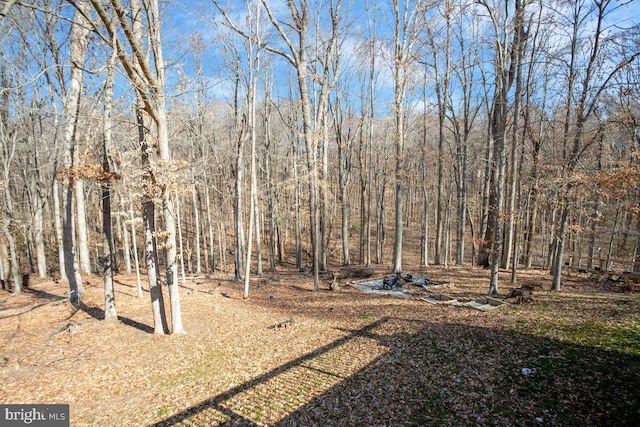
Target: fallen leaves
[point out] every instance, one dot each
(350, 358)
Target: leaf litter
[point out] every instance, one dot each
(341, 357)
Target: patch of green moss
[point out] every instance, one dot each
(623, 338)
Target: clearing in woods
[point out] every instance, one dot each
(290, 356)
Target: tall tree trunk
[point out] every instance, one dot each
(298, 57)
(514, 169)
(81, 219)
(57, 215)
(312, 167)
(344, 176)
(407, 24)
(196, 212)
(380, 187)
(149, 225)
(134, 243)
(77, 52)
(424, 239)
(13, 259)
(447, 231)
(149, 82)
(38, 217)
(239, 177)
(212, 249)
(160, 118)
(297, 204)
(594, 217)
(399, 173)
(367, 190)
(268, 155)
(271, 209)
(323, 216)
(506, 64)
(126, 248)
(496, 209)
(170, 228)
(442, 96)
(614, 230)
(110, 312)
(253, 58)
(258, 233)
(484, 231)
(8, 151)
(558, 252)
(180, 245)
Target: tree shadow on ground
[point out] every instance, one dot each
(398, 371)
(38, 299)
(127, 285)
(98, 314)
(40, 294)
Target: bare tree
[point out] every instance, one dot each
(462, 117)
(345, 154)
(587, 90)
(269, 153)
(253, 60)
(149, 81)
(8, 150)
(8, 142)
(296, 53)
(77, 52)
(442, 76)
(110, 312)
(508, 38)
(368, 86)
(408, 22)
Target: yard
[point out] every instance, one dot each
(291, 356)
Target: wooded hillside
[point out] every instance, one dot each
(179, 138)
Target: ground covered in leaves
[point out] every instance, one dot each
(291, 356)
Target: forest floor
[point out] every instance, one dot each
(346, 358)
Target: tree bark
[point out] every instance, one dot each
(135, 247)
(196, 220)
(82, 234)
(506, 62)
(126, 248)
(77, 52)
(407, 24)
(38, 218)
(110, 312)
(149, 225)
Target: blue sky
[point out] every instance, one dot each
(183, 18)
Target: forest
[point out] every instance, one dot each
(172, 139)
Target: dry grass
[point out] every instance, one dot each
(349, 358)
